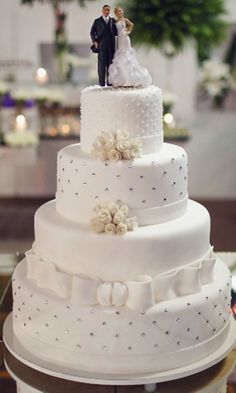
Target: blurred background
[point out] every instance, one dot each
(45, 60)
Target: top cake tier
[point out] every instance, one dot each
(136, 110)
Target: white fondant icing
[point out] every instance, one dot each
(139, 293)
(154, 186)
(170, 334)
(151, 250)
(139, 111)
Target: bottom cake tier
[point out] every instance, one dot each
(170, 334)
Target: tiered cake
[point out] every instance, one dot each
(121, 277)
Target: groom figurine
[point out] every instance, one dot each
(103, 32)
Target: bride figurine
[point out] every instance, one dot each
(125, 71)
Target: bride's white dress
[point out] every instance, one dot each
(125, 69)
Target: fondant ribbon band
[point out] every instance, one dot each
(151, 143)
(157, 215)
(139, 294)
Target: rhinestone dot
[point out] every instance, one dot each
(55, 316)
(85, 184)
(68, 306)
(153, 188)
(76, 193)
(78, 346)
(155, 346)
(117, 312)
(91, 334)
(131, 189)
(188, 330)
(106, 164)
(154, 322)
(143, 334)
(66, 331)
(117, 335)
(178, 342)
(197, 338)
(130, 323)
(79, 320)
(46, 325)
(106, 189)
(167, 332)
(178, 320)
(93, 174)
(104, 323)
(96, 197)
(45, 301)
(129, 348)
(56, 339)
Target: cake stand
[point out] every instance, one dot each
(50, 368)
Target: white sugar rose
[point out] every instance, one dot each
(118, 217)
(114, 155)
(104, 136)
(99, 206)
(112, 207)
(135, 153)
(104, 216)
(97, 145)
(123, 145)
(97, 226)
(131, 223)
(121, 135)
(125, 210)
(126, 155)
(110, 228)
(102, 155)
(136, 142)
(121, 229)
(110, 144)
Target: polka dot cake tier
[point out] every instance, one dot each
(121, 277)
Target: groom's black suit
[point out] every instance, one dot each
(104, 33)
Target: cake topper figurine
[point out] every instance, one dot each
(117, 64)
(125, 70)
(103, 33)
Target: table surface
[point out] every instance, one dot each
(42, 382)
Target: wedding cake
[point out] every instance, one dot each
(121, 278)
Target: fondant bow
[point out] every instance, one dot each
(139, 294)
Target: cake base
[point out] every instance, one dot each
(49, 368)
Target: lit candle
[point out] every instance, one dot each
(20, 122)
(41, 76)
